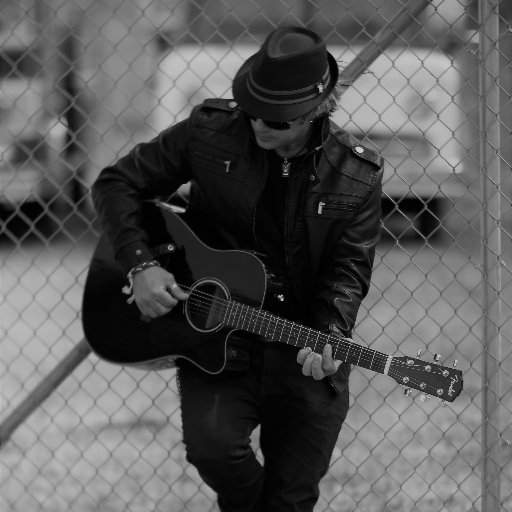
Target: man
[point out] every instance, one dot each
(269, 173)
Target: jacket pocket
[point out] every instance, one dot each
(224, 166)
(331, 206)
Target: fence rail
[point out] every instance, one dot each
(82, 82)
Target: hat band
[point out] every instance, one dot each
(288, 97)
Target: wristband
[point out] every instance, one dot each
(128, 290)
(142, 266)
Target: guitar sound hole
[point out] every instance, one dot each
(206, 306)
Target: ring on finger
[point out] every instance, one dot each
(172, 287)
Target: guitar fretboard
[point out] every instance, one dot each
(274, 328)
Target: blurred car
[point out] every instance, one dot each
(30, 139)
(404, 105)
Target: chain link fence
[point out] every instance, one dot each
(82, 82)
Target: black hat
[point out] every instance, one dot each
(288, 77)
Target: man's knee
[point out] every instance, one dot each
(216, 454)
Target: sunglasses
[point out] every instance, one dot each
(274, 125)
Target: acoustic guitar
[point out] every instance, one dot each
(226, 293)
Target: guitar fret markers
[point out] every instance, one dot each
(275, 328)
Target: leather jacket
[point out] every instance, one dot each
(332, 211)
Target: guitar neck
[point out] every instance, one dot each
(274, 328)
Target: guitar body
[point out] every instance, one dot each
(116, 331)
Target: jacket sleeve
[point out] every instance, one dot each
(150, 170)
(345, 278)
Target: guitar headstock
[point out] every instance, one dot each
(430, 378)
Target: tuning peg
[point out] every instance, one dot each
(437, 357)
(418, 354)
(407, 391)
(443, 403)
(455, 363)
(424, 398)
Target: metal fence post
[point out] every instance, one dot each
(491, 239)
(384, 38)
(37, 396)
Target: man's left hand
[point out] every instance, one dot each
(316, 365)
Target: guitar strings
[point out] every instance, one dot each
(203, 303)
(259, 323)
(203, 307)
(223, 306)
(260, 319)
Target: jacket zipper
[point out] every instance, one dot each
(255, 209)
(322, 205)
(285, 229)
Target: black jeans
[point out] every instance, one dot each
(300, 421)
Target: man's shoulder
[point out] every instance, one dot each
(217, 106)
(228, 105)
(341, 138)
(216, 113)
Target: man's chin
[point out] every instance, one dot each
(266, 143)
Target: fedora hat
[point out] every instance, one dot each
(289, 76)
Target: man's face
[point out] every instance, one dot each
(269, 138)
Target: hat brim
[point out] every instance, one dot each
(277, 111)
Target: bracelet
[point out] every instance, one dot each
(142, 266)
(128, 290)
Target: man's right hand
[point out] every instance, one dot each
(156, 292)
